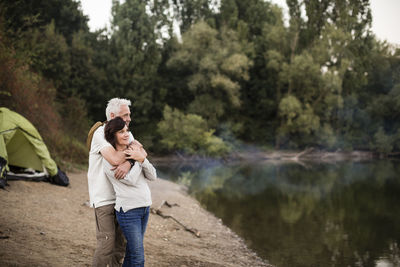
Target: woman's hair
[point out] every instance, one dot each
(111, 128)
(114, 106)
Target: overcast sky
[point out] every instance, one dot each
(385, 14)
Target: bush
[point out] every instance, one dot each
(32, 96)
(383, 143)
(66, 150)
(190, 134)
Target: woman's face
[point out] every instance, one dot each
(122, 136)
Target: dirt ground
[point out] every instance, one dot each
(47, 225)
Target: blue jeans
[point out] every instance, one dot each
(133, 224)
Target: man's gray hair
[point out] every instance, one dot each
(114, 106)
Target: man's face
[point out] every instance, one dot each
(125, 114)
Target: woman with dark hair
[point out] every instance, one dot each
(133, 197)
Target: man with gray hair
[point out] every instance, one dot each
(110, 240)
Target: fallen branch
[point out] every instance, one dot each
(160, 213)
(166, 203)
(308, 150)
(296, 157)
(171, 205)
(192, 230)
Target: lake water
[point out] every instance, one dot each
(341, 214)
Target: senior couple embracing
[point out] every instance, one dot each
(117, 179)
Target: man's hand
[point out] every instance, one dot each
(136, 152)
(121, 170)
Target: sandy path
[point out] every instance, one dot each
(47, 225)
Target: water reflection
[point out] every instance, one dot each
(343, 214)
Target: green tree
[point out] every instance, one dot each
(189, 12)
(134, 44)
(319, 62)
(23, 15)
(259, 26)
(215, 65)
(50, 57)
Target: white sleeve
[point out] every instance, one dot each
(99, 141)
(128, 180)
(133, 175)
(107, 169)
(149, 170)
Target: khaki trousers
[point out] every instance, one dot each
(111, 242)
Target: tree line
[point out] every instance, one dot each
(205, 76)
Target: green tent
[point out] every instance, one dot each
(23, 153)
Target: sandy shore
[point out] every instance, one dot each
(47, 225)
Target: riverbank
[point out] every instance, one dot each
(47, 225)
(276, 156)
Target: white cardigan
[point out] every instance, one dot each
(132, 191)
